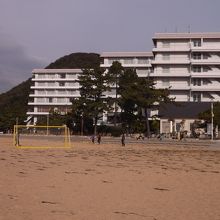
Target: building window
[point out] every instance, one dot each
(206, 68)
(51, 76)
(41, 92)
(166, 56)
(197, 56)
(128, 61)
(197, 97)
(73, 92)
(61, 84)
(205, 56)
(62, 92)
(62, 76)
(43, 109)
(166, 70)
(206, 81)
(40, 100)
(71, 76)
(197, 69)
(166, 44)
(51, 84)
(51, 92)
(40, 76)
(50, 100)
(197, 82)
(41, 84)
(143, 61)
(111, 60)
(61, 100)
(197, 43)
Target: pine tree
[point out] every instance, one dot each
(92, 102)
(115, 72)
(139, 94)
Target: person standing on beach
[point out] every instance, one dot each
(123, 139)
(99, 138)
(93, 139)
(17, 139)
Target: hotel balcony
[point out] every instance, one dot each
(55, 95)
(205, 62)
(54, 79)
(176, 74)
(208, 74)
(172, 49)
(55, 87)
(134, 65)
(208, 48)
(206, 88)
(171, 61)
(173, 87)
(50, 103)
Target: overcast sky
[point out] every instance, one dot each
(34, 33)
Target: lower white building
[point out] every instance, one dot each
(52, 89)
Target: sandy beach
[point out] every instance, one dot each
(108, 181)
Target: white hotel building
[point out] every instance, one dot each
(187, 63)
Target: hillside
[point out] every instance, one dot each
(13, 103)
(76, 60)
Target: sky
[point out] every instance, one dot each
(34, 33)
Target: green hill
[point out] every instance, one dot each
(13, 104)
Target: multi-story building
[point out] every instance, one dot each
(188, 64)
(52, 89)
(141, 61)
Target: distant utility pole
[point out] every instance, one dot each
(189, 29)
(47, 124)
(212, 119)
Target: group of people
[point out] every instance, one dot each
(99, 139)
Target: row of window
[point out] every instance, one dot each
(195, 43)
(195, 69)
(57, 76)
(52, 100)
(53, 84)
(56, 92)
(195, 82)
(195, 56)
(58, 108)
(130, 60)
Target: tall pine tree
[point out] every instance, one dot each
(92, 102)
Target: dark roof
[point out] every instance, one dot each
(183, 110)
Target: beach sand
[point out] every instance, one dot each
(108, 181)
